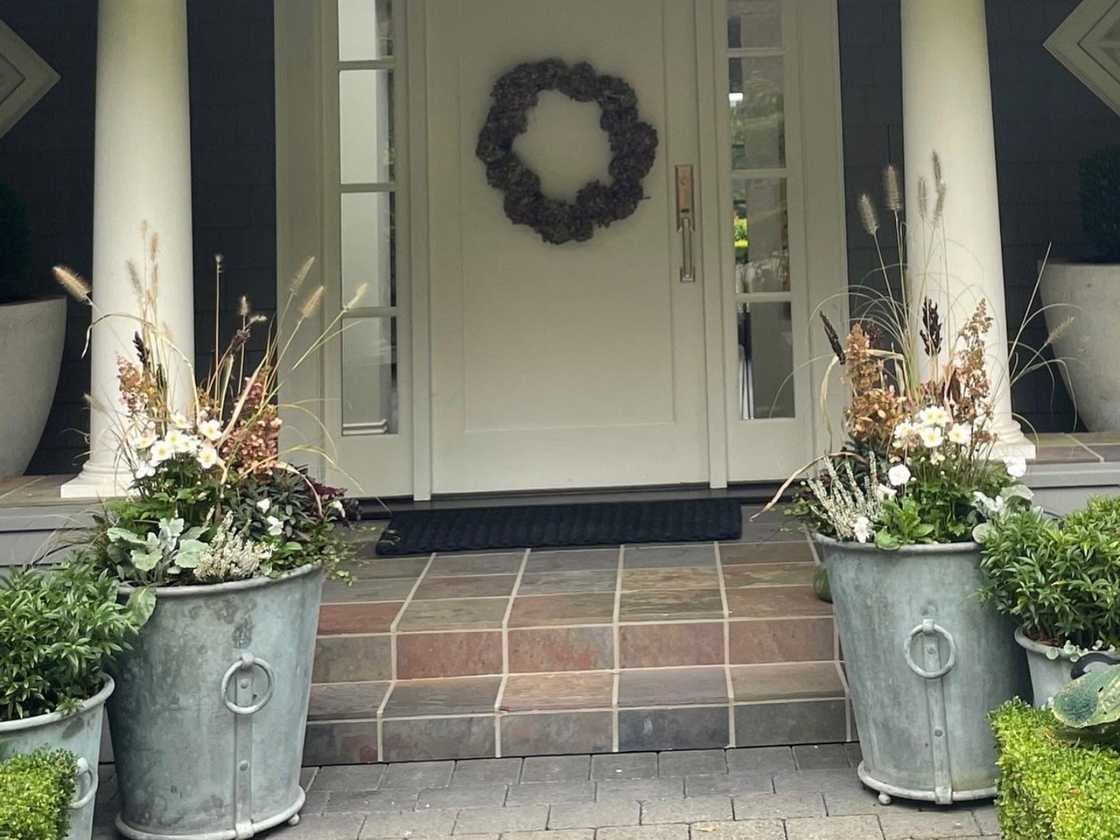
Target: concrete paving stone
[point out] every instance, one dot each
(463, 796)
(765, 759)
(821, 756)
(306, 775)
(594, 814)
(728, 785)
(644, 832)
(558, 768)
(757, 806)
(916, 825)
(413, 825)
(551, 792)
(672, 788)
(624, 766)
(686, 810)
(349, 777)
(369, 801)
(987, 818)
(818, 780)
(501, 820)
(329, 827)
(476, 771)
(743, 830)
(565, 834)
(848, 803)
(419, 774)
(855, 753)
(691, 763)
(314, 802)
(834, 828)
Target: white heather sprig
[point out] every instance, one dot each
(231, 556)
(850, 505)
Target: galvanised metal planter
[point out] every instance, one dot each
(926, 662)
(1051, 668)
(80, 733)
(211, 708)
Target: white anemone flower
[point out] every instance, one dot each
(142, 438)
(1016, 466)
(861, 528)
(898, 475)
(934, 415)
(207, 456)
(960, 434)
(883, 492)
(210, 429)
(180, 421)
(161, 451)
(263, 505)
(181, 442)
(932, 437)
(144, 470)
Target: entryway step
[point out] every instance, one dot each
(588, 711)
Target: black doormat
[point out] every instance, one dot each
(544, 526)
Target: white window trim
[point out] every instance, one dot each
(1077, 45)
(38, 78)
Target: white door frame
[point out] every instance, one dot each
(303, 160)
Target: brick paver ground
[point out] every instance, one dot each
(769, 793)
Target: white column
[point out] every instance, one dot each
(947, 108)
(142, 173)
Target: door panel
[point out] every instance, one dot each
(577, 365)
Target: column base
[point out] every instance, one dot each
(92, 484)
(1014, 445)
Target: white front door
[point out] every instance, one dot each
(575, 365)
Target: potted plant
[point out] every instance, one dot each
(36, 792)
(32, 332)
(232, 543)
(59, 628)
(893, 513)
(1059, 580)
(1092, 286)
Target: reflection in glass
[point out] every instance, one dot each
(765, 342)
(369, 376)
(369, 247)
(754, 23)
(761, 233)
(365, 29)
(365, 126)
(757, 101)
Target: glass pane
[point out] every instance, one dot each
(365, 126)
(369, 376)
(761, 218)
(369, 245)
(365, 29)
(765, 360)
(757, 101)
(754, 23)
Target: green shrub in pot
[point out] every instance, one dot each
(1059, 579)
(35, 793)
(59, 629)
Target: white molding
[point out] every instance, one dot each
(36, 78)
(1082, 43)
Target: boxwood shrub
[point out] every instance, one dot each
(1054, 786)
(35, 794)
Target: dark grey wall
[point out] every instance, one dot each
(1045, 122)
(48, 159)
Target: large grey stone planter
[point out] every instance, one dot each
(211, 707)
(926, 662)
(31, 339)
(1089, 293)
(80, 733)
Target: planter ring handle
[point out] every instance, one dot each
(247, 662)
(82, 768)
(929, 628)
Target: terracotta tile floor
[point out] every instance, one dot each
(631, 647)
